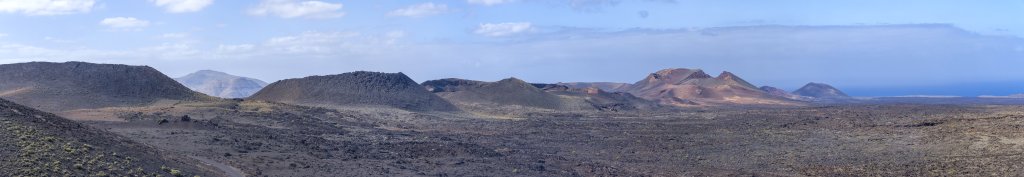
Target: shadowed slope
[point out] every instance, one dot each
(355, 89)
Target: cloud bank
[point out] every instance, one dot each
(46, 7)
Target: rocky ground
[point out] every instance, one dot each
(251, 138)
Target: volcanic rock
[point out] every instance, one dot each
(36, 143)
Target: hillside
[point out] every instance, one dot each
(219, 84)
(355, 89)
(606, 86)
(57, 87)
(820, 90)
(690, 87)
(507, 92)
(601, 99)
(36, 143)
(777, 92)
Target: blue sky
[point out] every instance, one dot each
(870, 48)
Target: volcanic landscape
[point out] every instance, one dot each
(87, 119)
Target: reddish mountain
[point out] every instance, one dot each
(687, 87)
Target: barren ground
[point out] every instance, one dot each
(266, 139)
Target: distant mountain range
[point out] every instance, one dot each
(219, 84)
(58, 87)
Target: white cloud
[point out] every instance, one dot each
(489, 2)
(298, 8)
(420, 10)
(182, 6)
(174, 35)
(124, 23)
(46, 7)
(235, 48)
(503, 29)
(2, 35)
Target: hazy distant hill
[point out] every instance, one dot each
(75, 85)
(820, 90)
(355, 89)
(219, 84)
(685, 87)
(36, 143)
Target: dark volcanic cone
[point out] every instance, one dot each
(355, 89)
(78, 85)
(820, 90)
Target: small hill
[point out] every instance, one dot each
(219, 84)
(601, 99)
(606, 86)
(36, 143)
(509, 91)
(820, 90)
(57, 87)
(355, 89)
(688, 87)
(777, 92)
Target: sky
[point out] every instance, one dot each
(864, 47)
